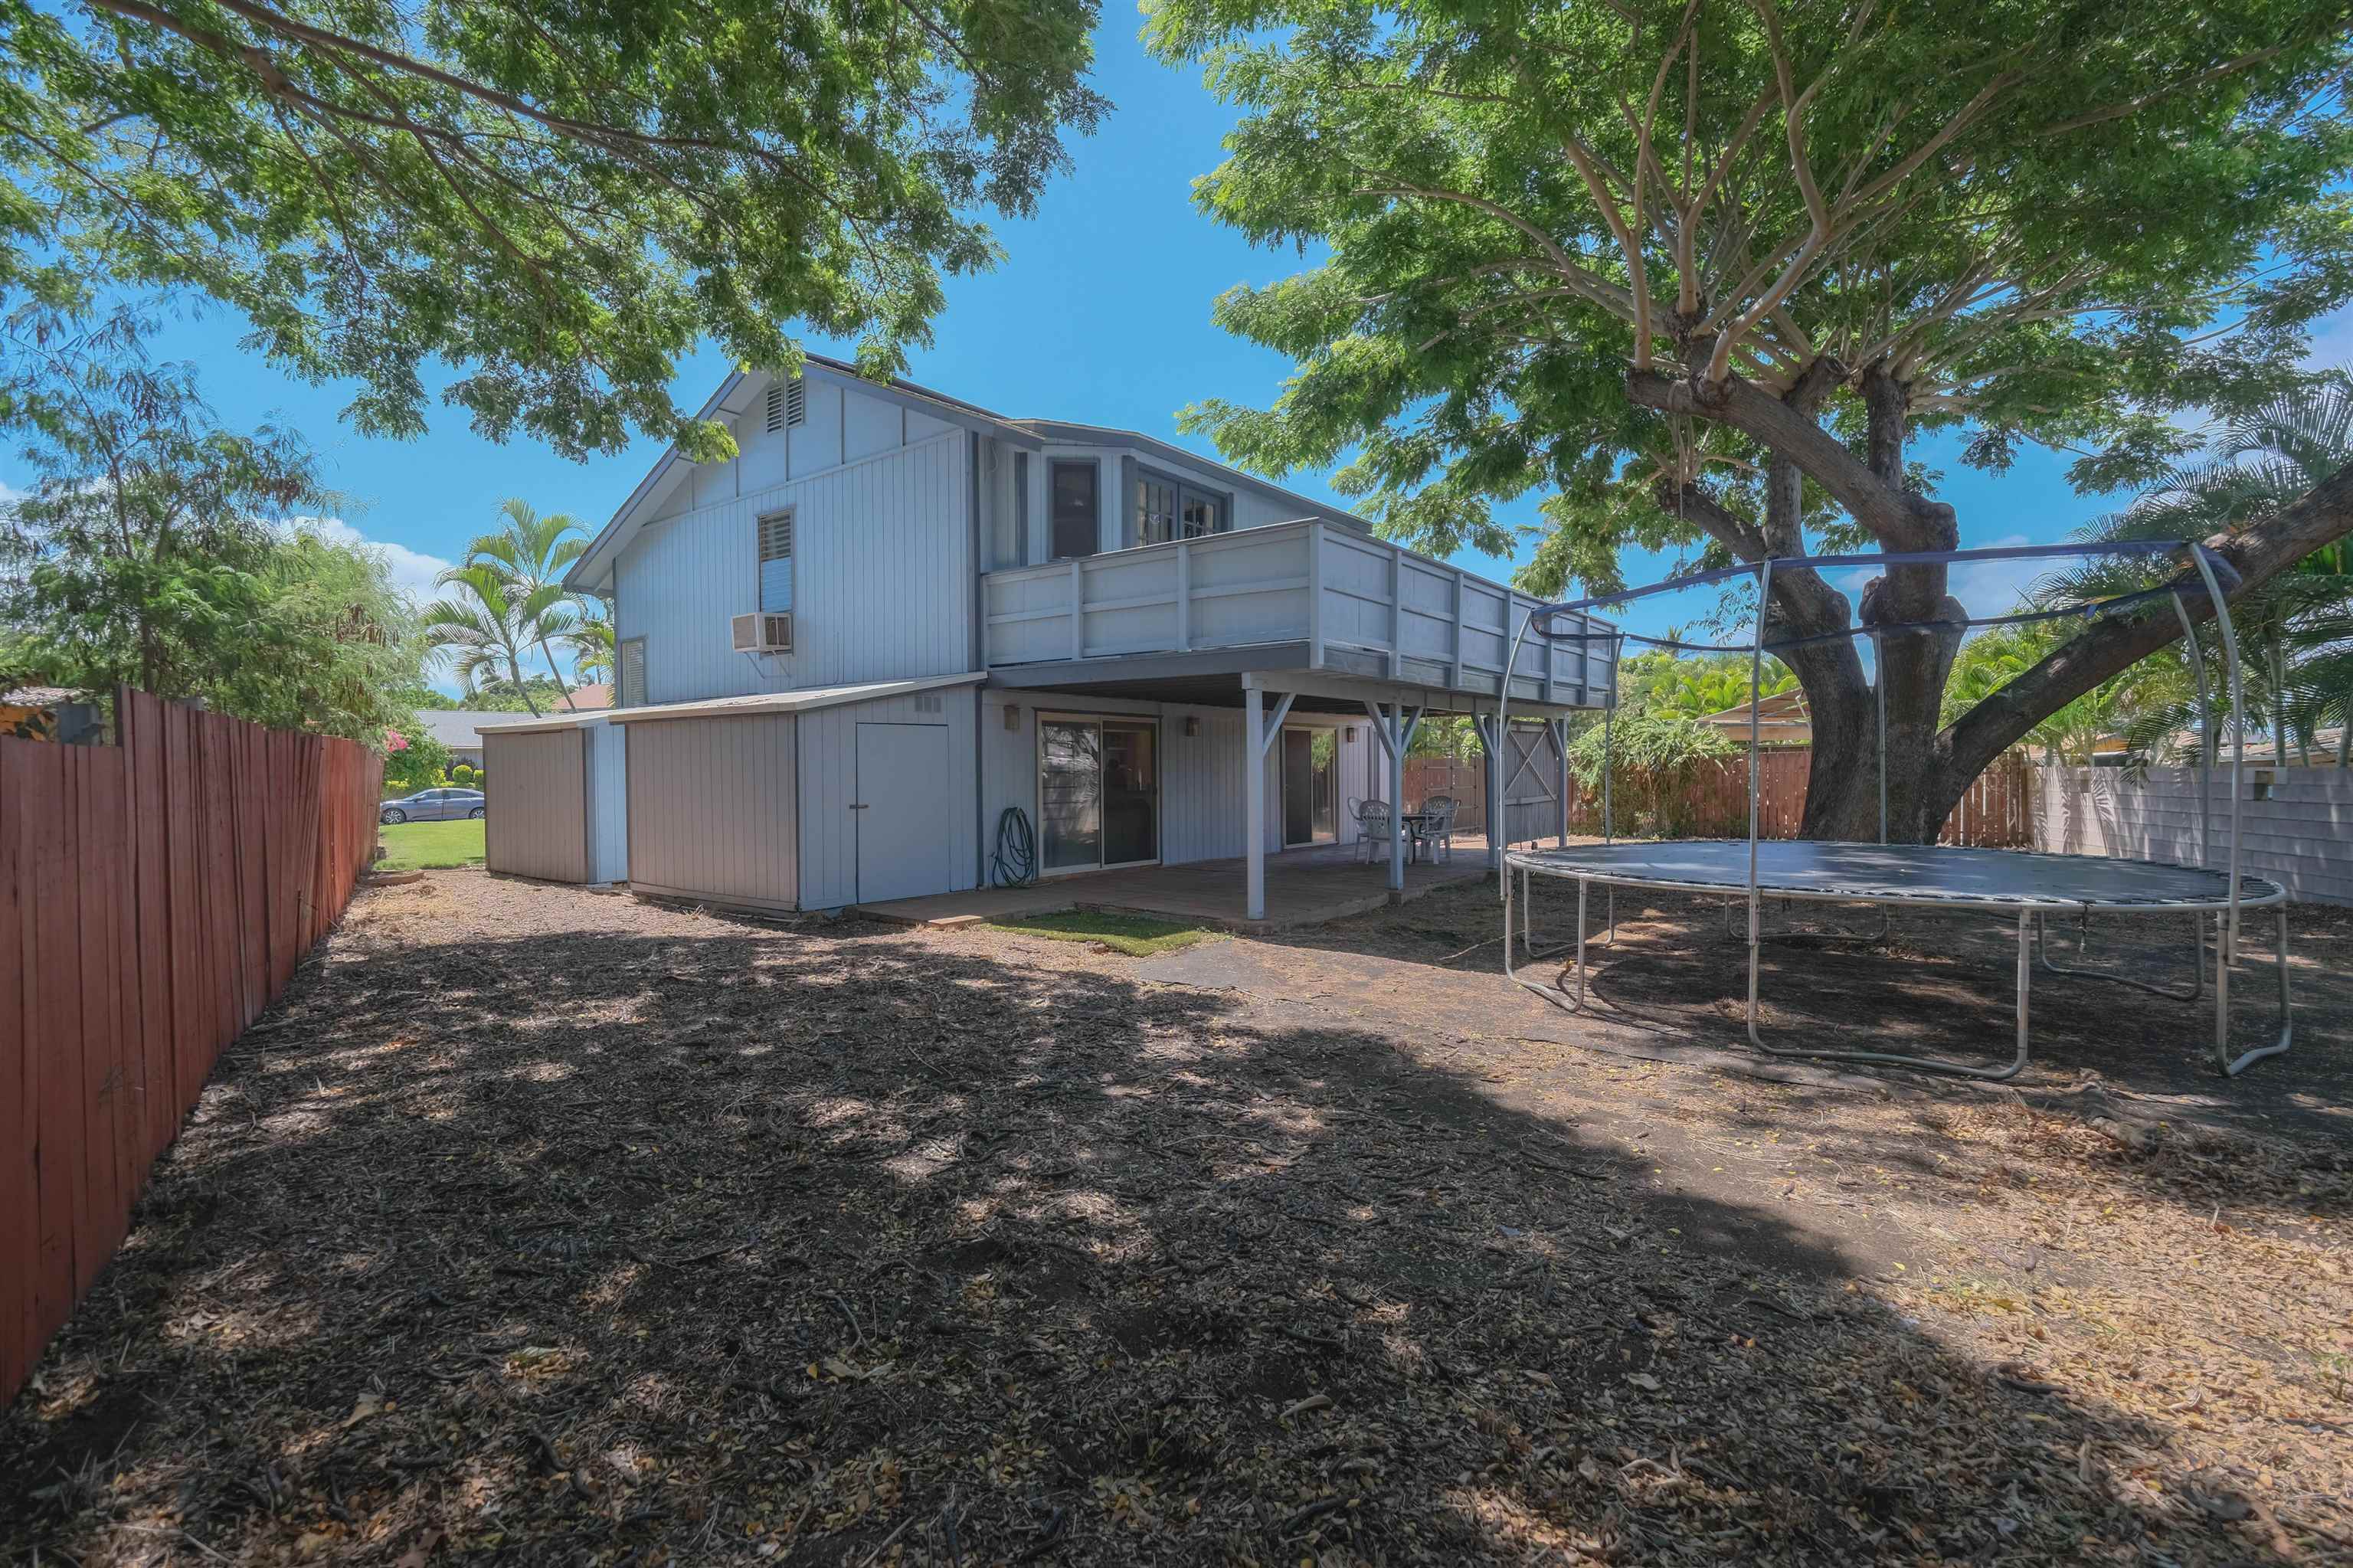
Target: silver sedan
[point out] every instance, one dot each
(434, 806)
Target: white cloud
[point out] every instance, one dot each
(413, 571)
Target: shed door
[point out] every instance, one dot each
(903, 811)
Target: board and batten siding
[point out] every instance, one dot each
(828, 788)
(712, 811)
(882, 579)
(536, 823)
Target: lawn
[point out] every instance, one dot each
(430, 846)
(1137, 936)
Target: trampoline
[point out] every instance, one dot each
(2029, 888)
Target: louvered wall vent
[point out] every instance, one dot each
(788, 404)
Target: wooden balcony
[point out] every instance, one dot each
(1313, 595)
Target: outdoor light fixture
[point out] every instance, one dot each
(1012, 718)
(1192, 725)
(1348, 733)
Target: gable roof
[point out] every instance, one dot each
(741, 392)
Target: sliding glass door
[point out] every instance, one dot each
(1098, 793)
(1310, 814)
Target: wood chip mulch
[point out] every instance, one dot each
(541, 1226)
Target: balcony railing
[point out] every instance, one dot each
(1361, 606)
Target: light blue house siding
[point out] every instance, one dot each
(882, 573)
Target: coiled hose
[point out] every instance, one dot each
(1015, 863)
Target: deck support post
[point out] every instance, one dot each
(1395, 731)
(1399, 741)
(1491, 749)
(1254, 804)
(1559, 728)
(1260, 728)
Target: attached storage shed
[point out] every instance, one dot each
(806, 799)
(557, 798)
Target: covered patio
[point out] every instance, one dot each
(1300, 888)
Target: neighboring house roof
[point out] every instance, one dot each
(459, 729)
(595, 694)
(1780, 718)
(742, 389)
(36, 696)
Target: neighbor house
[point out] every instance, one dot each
(899, 635)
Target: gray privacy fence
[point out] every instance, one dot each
(2296, 823)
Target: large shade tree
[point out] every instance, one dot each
(557, 200)
(1700, 272)
(156, 547)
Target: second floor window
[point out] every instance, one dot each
(1074, 511)
(777, 562)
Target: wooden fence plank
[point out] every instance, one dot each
(154, 897)
(21, 1332)
(54, 1032)
(97, 801)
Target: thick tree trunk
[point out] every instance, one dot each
(1928, 770)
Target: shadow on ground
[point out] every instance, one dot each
(550, 1228)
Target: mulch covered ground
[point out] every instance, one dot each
(542, 1226)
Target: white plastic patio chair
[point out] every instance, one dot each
(1372, 827)
(1439, 829)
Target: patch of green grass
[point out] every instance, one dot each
(430, 846)
(1137, 936)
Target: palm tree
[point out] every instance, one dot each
(529, 555)
(2259, 462)
(590, 643)
(477, 629)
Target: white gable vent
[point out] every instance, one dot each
(788, 404)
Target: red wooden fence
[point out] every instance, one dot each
(155, 897)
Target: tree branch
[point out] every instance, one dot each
(1897, 520)
(2258, 553)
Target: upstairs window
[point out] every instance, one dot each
(1166, 510)
(1156, 509)
(777, 562)
(1075, 509)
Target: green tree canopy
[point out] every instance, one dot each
(558, 200)
(159, 549)
(1697, 273)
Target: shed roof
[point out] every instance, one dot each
(802, 701)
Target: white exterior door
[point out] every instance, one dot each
(903, 843)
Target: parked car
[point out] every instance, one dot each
(434, 806)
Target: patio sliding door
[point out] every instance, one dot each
(1098, 793)
(1310, 812)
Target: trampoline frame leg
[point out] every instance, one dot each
(2231, 1066)
(2082, 944)
(1525, 936)
(1538, 949)
(2016, 1066)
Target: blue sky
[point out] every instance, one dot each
(1100, 314)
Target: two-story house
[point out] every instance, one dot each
(899, 634)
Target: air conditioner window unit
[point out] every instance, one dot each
(762, 632)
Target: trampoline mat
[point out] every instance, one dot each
(1903, 873)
